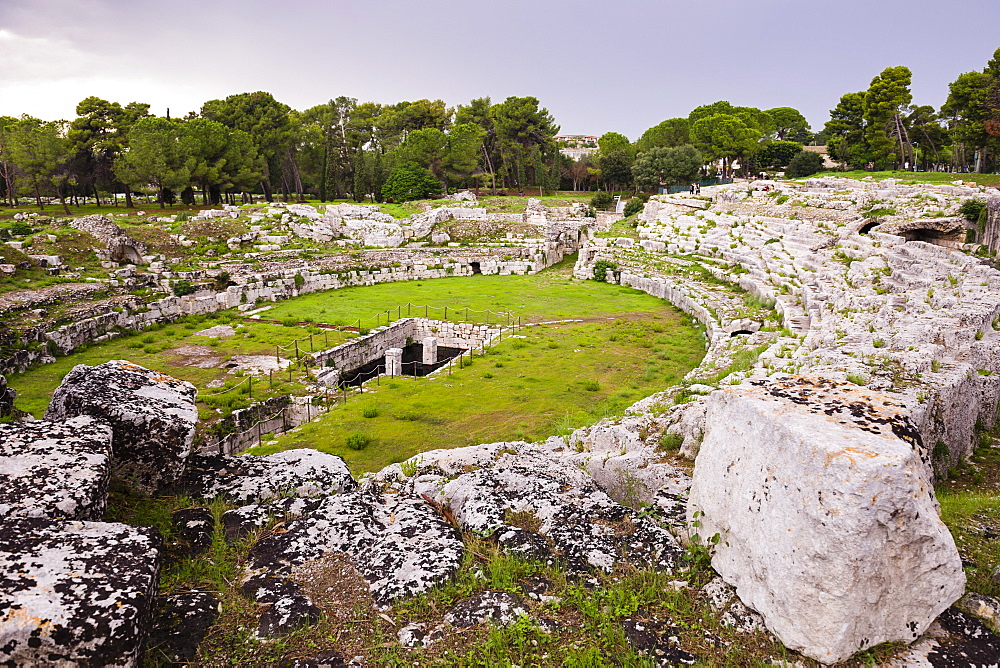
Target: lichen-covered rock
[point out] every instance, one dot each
(400, 546)
(287, 614)
(240, 522)
(251, 479)
(180, 625)
(730, 610)
(497, 607)
(985, 608)
(75, 593)
(658, 640)
(416, 634)
(58, 470)
(196, 526)
(825, 513)
(955, 640)
(152, 416)
(7, 396)
(520, 491)
(266, 588)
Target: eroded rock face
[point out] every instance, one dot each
(249, 479)
(152, 416)
(400, 546)
(58, 470)
(120, 246)
(75, 593)
(822, 500)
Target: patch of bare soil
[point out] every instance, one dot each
(342, 593)
(201, 357)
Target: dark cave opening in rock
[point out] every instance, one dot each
(869, 226)
(738, 332)
(936, 237)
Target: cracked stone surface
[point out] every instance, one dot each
(152, 416)
(181, 623)
(196, 526)
(400, 545)
(286, 614)
(76, 593)
(497, 607)
(58, 470)
(541, 506)
(250, 479)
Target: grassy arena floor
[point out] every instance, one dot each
(553, 380)
(550, 295)
(621, 345)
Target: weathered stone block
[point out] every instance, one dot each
(152, 416)
(826, 517)
(58, 470)
(75, 593)
(250, 479)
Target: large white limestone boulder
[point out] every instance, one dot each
(827, 525)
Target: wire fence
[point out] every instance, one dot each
(230, 441)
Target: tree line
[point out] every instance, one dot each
(711, 141)
(879, 128)
(252, 143)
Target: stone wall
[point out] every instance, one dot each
(913, 319)
(370, 347)
(264, 289)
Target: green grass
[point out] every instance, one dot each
(967, 513)
(545, 296)
(529, 390)
(157, 349)
(919, 177)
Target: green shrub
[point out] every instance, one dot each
(670, 442)
(805, 163)
(601, 268)
(299, 281)
(182, 287)
(636, 204)
(19, 228)
(941, 451)
(592, 386)
(358, 441)
(370, 412)
(223, 281)
(602, 200)
(409, 181)
(972, 209)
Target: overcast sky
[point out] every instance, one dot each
(597, 66)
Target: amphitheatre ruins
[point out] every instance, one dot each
(773, 503)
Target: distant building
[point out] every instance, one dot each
(828, 163)
(577, 147)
